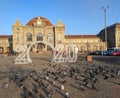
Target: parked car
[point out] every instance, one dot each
(115, 53)
(108, 52)
(96, 53)
(105, 52)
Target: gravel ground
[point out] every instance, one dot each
(52, 77)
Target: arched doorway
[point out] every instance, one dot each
(1, 50)
(40, 47)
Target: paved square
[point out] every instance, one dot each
(43, 79)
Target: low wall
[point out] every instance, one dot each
(107, 59)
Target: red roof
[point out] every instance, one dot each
(34, 20)
(81, 36)
(5, 36)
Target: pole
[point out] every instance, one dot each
(105, 26)
(54, 37)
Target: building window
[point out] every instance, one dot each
(18, 28)
(101, 48)
(17, 37)
(88, 48)
(96, 40)
(49, 48)
(39, 37)
(82, 48)
(49, 37)
(118, 39)
(119, 33)
(91, 40)
(59, 39)
(95, 48)
(118, 46)
(29, 37)
(4, 42)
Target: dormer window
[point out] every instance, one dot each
(39, 21)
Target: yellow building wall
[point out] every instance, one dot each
(4, 45)
(57, 31)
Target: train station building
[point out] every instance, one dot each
(41, 29)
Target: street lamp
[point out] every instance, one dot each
(104, 9)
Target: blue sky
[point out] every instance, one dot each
(78, 16)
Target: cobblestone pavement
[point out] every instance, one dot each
(43, 79)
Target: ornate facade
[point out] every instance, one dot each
(5, 43)
(41, 29)
(37, 29)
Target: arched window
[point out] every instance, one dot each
(29, 37)
(59, 38)
(119, 33)
(101, 47)
(95, 48)
(88, 48)
(119, 39)
(17, 37)
(39, 37)
(82, 48)
(49, 37)
(119, 46)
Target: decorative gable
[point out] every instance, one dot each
(17, 23)
(59, 23)
(39, 21)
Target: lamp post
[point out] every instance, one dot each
(54, 36)
(104, 9)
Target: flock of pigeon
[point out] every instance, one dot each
(53, 79)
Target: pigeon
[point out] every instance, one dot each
(50, 93)
(21, 86)
(48, 86)
(67, 94)
(63, 82)
(93, 86)
(118, 73)
(82, 87)
(53, 82)
(46, 78)
(56, 78)
(76, 76)
(35, 91)
(5, 85)
(62, 87)
(22, 79)
(105, 77)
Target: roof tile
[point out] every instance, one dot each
(34, 20)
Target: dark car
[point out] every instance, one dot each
(105, 52)
(96, 53)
